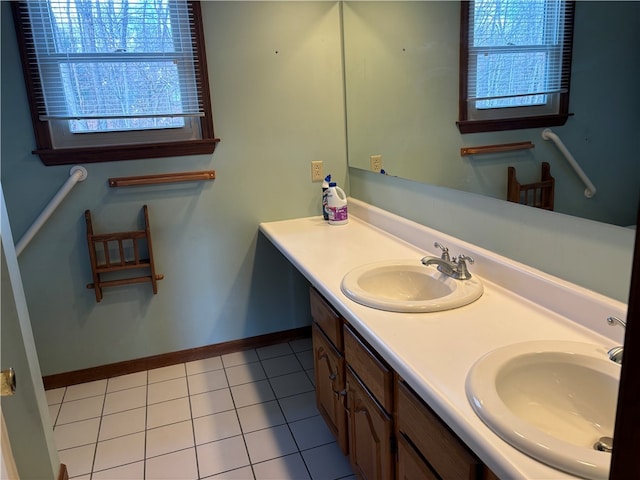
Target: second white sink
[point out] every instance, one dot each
(553, 400)
(408, 286)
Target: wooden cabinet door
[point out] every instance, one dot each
(330, 386)
(447, 455)
(372, 370)
(410, 465)
(370, 433)
(329, 321)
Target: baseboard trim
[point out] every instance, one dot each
(156, 361)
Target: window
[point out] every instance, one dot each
(515, 63)
(115, 79)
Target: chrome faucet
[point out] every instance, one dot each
(455, 268)
(445, 266)
(615, 353)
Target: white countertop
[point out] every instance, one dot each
(434, 351)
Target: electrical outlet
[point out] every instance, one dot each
(317, 174)
(376, 163)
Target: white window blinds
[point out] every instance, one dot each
(517, 54)
(113, 62)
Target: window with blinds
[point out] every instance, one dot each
(106, 73)
(516, 63)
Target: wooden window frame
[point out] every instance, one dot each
(465, 125)
(49, 155)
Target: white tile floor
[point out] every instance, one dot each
(246, 415)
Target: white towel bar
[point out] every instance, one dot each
(590, 191)
(76, 174)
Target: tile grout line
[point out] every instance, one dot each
(275, 396)
(289, 423)
(146, 419)
(193, 427)
(235, 408)
(296, 353)
(95, 448)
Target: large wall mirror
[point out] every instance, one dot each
(401, 76)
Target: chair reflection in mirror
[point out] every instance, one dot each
(538, 194)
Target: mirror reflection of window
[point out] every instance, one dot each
(518, 63)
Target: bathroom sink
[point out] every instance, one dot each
(553, 400)
(408, 286)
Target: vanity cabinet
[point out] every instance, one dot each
(369, 367)
(370, 408)
(370, 433)
(427, 448)
(385, 428)
(329, 367)
(330, 386)
(354, 392)
(428, 443)
(411, 464)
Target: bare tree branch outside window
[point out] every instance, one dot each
(113, 64)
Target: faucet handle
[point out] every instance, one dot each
(463, 258)
(462, 270)
(613, 320)
(445, 251)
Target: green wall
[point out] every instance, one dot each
(276, 80)
(277, 90)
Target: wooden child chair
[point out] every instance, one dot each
(538, 194)
(121, 252)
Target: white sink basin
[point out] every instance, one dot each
(408, 286)
(552, 400)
